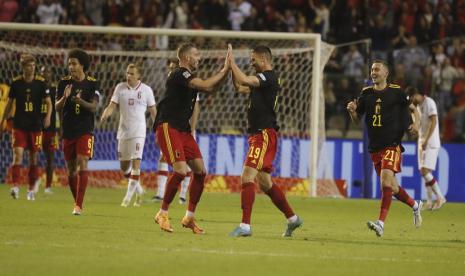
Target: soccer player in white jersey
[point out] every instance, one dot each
(162, 174)
(428, 145)
(133, 99)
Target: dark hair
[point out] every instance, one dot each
(383, 62)
(183, 48)
(263, 50)
(411, 91)
(81, 56)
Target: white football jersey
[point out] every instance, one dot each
(133, 103)
(427, 109)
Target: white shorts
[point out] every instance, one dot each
(129, 149)
(427, 158)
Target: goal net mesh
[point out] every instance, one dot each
(222, 124)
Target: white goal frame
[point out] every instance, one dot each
(314, 40)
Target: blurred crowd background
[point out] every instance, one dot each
(423, 40)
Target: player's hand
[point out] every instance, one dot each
(423, 144)
(67, 92)
(46, 122)
(227, 60)
(413, 130)
(352, 106)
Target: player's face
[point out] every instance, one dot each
(132, 75)
(29, 68)
(257, 61)
(194, 58)
(75, 68)
(379, 73)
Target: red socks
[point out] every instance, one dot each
(195, 191)
(72, 182)
(247, 199)
(81, 187)
(15, 173)
(279, 200)
(33, 172)
(404, 197)
(386, 199)
(171, 189)
(430, 183)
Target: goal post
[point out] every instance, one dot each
(298, 58)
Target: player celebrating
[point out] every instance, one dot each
(77, 99)
(174, 136)
(428, 145)
(387, 116)
(162, 174)
(133, 98)
(27, 91)
(50, 137)
(263, 89)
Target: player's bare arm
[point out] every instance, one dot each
(61, 102)
(108, 111)
(240, 88)
(195, 118)
(433, 120)
(153, 114)
(48, 116)
(90, 106)
(415, 126)
(7, 111)
(209, 84)
(241, 79)
(351, 108)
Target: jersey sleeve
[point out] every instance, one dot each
(264, 79)
(12, 93)
(60, 90)
(361, 104)
(184, 76)
(432, 109)
(150, 97)
(96, 92)
(115, 96)
(46, 90)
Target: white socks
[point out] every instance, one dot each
(161, 182)
(292, 219)
(184, 187)
(244, 226)
(132, 185)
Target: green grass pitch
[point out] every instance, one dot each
(43, 238)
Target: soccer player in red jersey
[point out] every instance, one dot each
(387, 116)
(27, 91)
(77, 99)
(173, 132)
(49, 135)
(263, 89)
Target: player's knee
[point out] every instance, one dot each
(181, 170)
(424, 171)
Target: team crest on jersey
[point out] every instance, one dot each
(186, 74)
(131, 101)
(139, 94)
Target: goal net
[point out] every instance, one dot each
(300, 167)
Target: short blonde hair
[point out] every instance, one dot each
(26, 58)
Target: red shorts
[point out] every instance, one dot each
(262, 150)
(49, 141)
(31, 140)
(83, 145)
(389, 158)
(176, 145)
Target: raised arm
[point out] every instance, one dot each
(208, 84)
(242, 79)
(60, 103)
